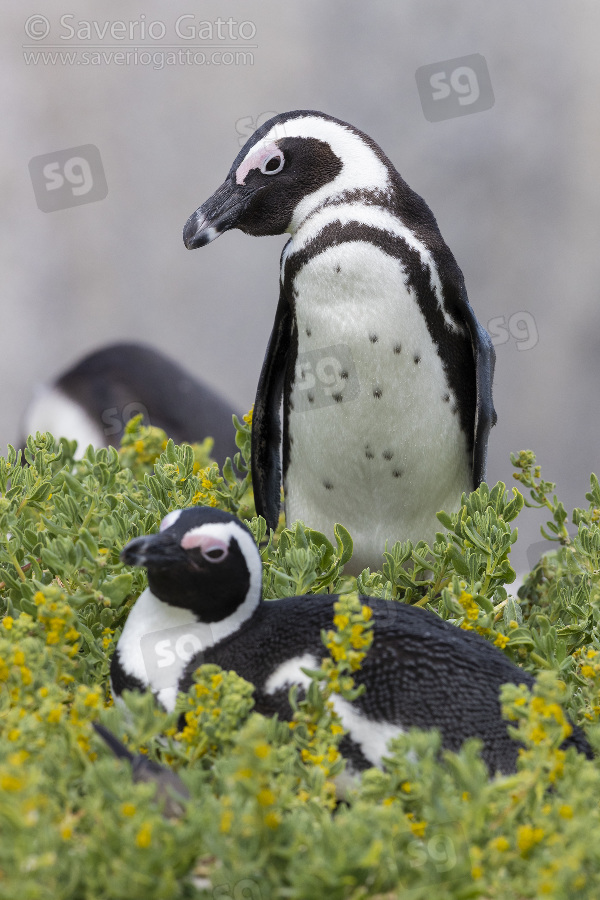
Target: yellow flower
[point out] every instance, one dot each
(418, 828)
(335, 728)
(406, 787)
(18, 758)
(11, 783)
(528, 836)
(19, 658)
(338, 653)
(538, 705)
(143, 838)
(55, 714)
(367, 613)
(226, 820)
(66, 832)
(501, 641)
(127, 809)
(341, 621)
(8, 621)
(272, 820)
(265, 797)
(500, 843)
(566, 811)
(14, 734)
(262, 751)
(538, 734)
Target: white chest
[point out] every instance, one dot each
(375, 439)
(157, 643)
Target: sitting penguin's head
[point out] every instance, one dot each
(202, 559)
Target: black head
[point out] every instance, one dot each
(292, 157)
(202, 559)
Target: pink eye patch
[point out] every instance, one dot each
(255, 160)
(203, 542)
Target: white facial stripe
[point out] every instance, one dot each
(378, 218)
(371, 736)
(361, 167)
(205, 542)
(170, 519)
(259, 153)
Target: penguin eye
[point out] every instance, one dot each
(214, 554)
(273, 163)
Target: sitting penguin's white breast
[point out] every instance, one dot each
(374, 435)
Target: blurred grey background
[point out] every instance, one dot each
(514, 188)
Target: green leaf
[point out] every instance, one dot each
(118, 589)
(344, 543)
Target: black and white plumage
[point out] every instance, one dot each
(93, 401)
(204, 570)
(398, 426)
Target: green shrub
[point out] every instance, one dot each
(264, 821)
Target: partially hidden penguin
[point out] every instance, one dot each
(203, 604)
(92, 401)
(385, 372)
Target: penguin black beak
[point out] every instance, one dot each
(219, 213)
(153, 551)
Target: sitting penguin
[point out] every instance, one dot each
(204, 604)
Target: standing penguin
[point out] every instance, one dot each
(203, 604)
(386, 374)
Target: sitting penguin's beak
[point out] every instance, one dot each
(219, 213)
(153, 551)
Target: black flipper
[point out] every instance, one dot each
(485, 414)
(266, 421)
(118, 748)
(170, 789)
